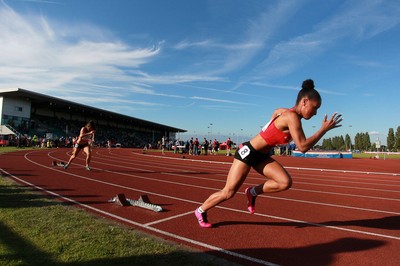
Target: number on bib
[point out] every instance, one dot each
(244, 151)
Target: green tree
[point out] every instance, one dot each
(366, 142)
(362, 142)
(338, 143)
(397, 137)
(390, 140)
(327, 144)
(357, 142)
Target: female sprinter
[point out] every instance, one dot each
(284, 126)
(84, 141)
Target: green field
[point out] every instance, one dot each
(381, 156)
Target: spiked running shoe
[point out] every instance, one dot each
(202, 219)
(251, 201)
(66, 165)
(87, 167)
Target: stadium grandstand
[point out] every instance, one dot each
(26, 114)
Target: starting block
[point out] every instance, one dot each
(143, 202)
(55, 163)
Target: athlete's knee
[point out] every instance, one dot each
(285, 183)
(227, 193)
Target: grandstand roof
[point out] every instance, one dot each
(58, 103)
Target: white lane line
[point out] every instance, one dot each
(344, 194)
(170, 218)
(147, 227)
(288, 167)
(275, 217)
(201, 187)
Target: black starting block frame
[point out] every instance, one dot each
(58, 163)
(142, 202)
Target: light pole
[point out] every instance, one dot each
(210, 127)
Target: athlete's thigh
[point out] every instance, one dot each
(86, 149)
(272, 169)
(237, 174)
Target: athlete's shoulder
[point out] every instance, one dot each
(281, 110)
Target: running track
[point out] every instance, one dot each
(338, 212)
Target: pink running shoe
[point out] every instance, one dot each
(251, 201)
(202, 219)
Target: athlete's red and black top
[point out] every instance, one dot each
(274, 136)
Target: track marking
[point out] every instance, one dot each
(360, 188)
(145, 226)
(201, 187)
(264, 215)
(288, 167)
(169, 218)
(187, 213)
(343, 194)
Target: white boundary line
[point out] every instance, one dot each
(264, 215)
(146, 226)
(288, 167)
(201, 187)
(183, 238)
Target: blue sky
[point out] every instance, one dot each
(210, 67)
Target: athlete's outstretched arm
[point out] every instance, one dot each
(297, 133)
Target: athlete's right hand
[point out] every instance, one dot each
(334, 122)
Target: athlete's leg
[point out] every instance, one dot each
(87, 149)
(278, 178)
(236, 176)
(75, 152)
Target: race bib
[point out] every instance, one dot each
(244, 151)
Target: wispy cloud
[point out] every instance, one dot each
(236, 55)
(172, 78)
(139, 90)
(215, 90)
(42, 2)
(45, 56)
(101, 100)
(219, 100)
(223, 108)
(211, 44)
(357, 20)
(294, 88)
(32, 52)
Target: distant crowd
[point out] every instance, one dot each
(194, 146)
(54, 132)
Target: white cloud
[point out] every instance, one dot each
(219, 100)
(34, 54)
(357, 20)
(139, 90)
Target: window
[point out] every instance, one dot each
(18, 108)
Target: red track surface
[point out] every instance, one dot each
(338, 212)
